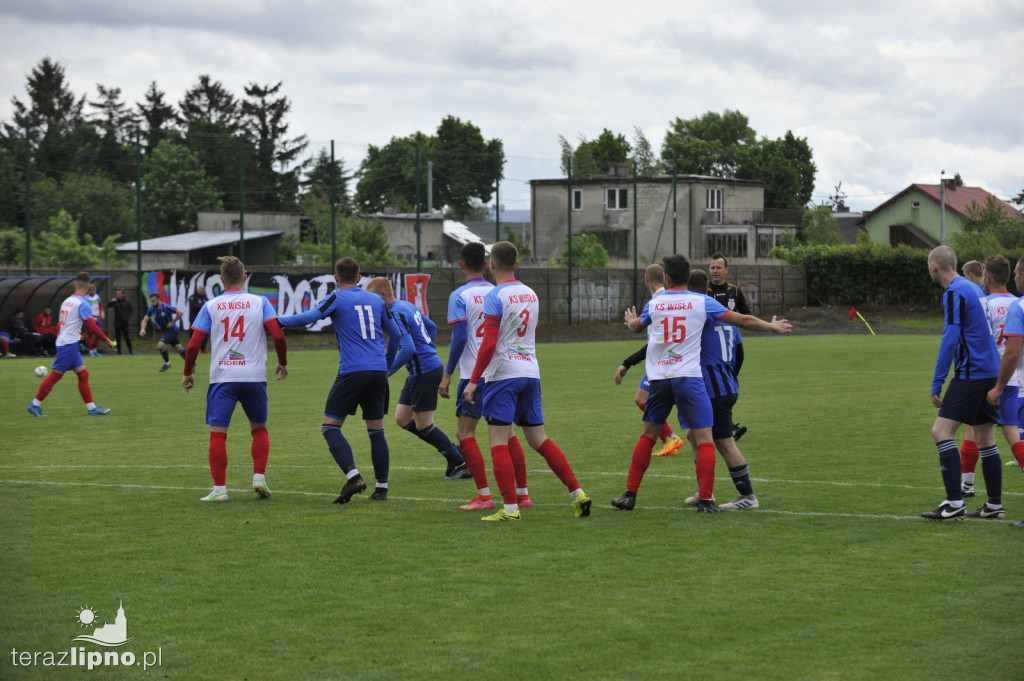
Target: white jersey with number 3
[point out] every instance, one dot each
(516, 353)
(675, 320)
(238, 351)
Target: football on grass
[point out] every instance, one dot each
(40, 371)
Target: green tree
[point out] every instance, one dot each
(60, 139)
(318, 177)
(592, 157)
(101, 206)
(157, 117)
(209, 120)
(12, 246)
(647, 162)
(516, 239)
(175, 189)
(724, 145)
(466, 166)
(712, 144)
(464, 163)
(61, 246)
(387, 175)
(278, 160)
(116, 123)
(819, 228)
(586, 252)
(986, 230)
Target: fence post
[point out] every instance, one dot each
(138, 218)
(419, 267)
(636, 254)
(241, 198)
(334, 209)
(568, 286)
(28, 200)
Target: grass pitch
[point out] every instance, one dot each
(835, 577)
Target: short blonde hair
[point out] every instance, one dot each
(381, 286)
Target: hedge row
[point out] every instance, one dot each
(859, 275)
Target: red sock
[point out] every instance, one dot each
(475, 460)
(705, 470)
(260, 450)
(1018, 452)
(641, 460)
(666, 432)
(969, 456)
(559, 464)
(47, 385)
(518, 460)
(504, 474)
(218, 457)
(83, 386)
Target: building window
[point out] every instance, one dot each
(714, 205)
(616, 199)
(577, 199)
(729, 244)
(769, 239)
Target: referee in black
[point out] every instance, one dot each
(732, 298)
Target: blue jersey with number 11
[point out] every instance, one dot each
(360, 322)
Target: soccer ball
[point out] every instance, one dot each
(40, 371)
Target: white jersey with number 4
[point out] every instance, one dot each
(238, 351)
(516, 353)
(675, 320)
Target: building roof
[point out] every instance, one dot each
(463, 234)
(194, 241)
(957, 198)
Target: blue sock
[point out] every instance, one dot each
(182, 353)
(949, 465)
(339, 446)
(163, 353)
(379, 454)
(741, 478)
(436, 437)
(992, 470)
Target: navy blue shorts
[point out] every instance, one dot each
(645, 384)
(687, 394)
(365, 389)
(721, 407)
(170, 337)
(513, 400)
(464, 408)
(966, 402)
(420, 391)
(221, 399)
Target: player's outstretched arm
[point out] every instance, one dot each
(752, 323)
(632, 320)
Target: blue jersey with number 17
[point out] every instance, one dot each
(717, 358)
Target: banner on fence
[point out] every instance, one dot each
(288, 293)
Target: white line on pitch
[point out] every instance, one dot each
(454, 501)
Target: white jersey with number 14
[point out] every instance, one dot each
(238, 350)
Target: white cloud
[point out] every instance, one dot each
(886, 93)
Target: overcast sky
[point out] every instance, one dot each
(886, 93)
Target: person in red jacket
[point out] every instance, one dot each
(43, 325)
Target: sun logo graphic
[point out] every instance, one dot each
(110, 635)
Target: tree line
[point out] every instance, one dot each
(84, 156)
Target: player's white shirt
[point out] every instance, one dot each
(653, 296)
(997, 309)
(94, 304)
(516, 353)
(73, 311)
(238, 343)
(468, 303)
(675, 320)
